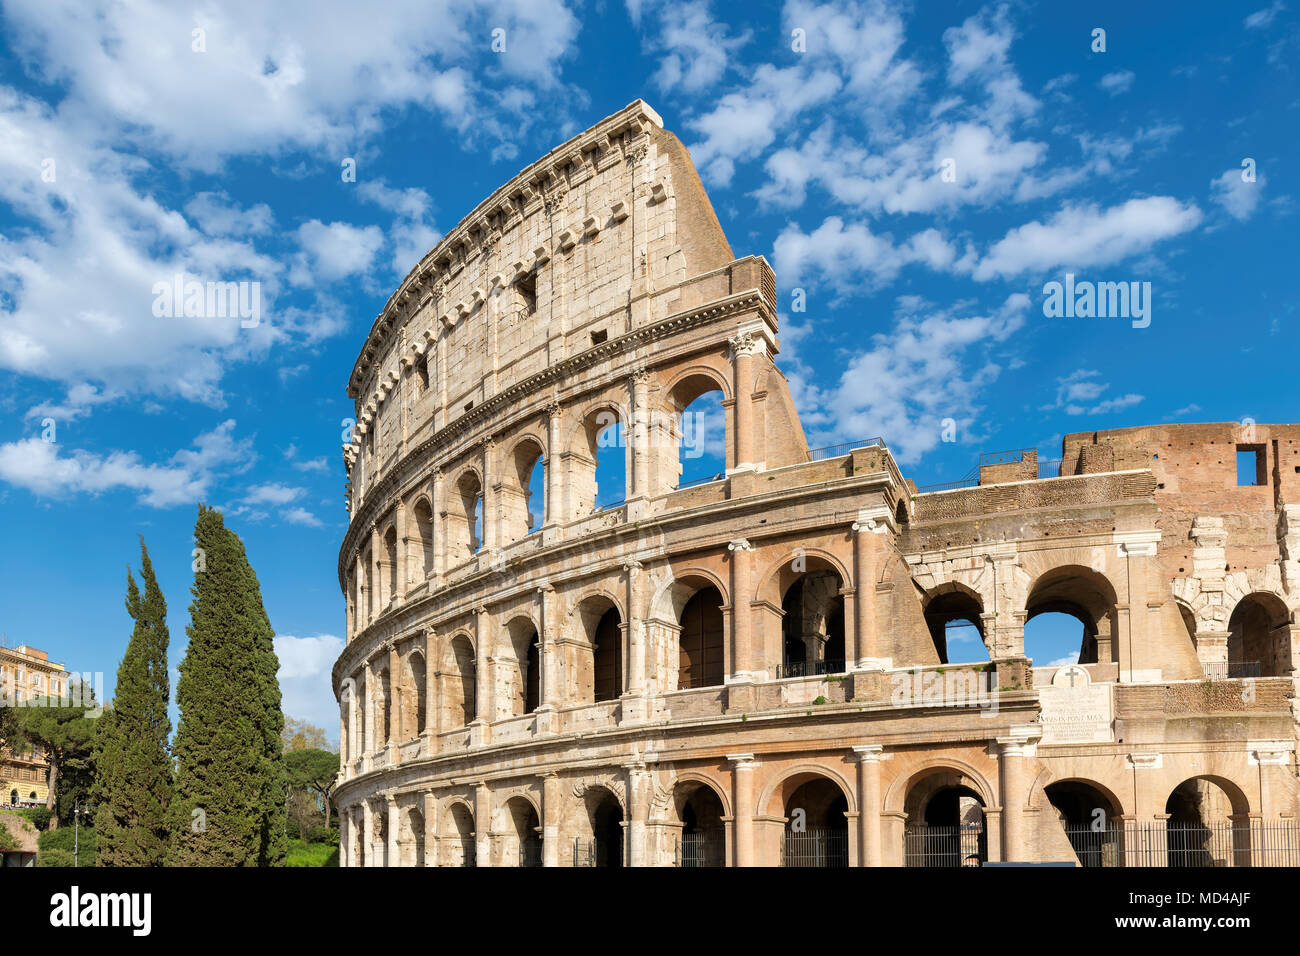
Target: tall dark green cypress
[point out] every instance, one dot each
(133, 771)
(229, 802)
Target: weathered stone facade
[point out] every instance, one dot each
(696, 674)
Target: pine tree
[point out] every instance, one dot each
(229, 802)
(133, 772)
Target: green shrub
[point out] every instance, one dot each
(54, 858)
(61, 841)
(40, 817)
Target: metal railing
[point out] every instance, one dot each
(530, 853)
(703, 848)
(944, 846)
(1050, 468)
(1008, 457)
(811, 668)
(822, 847)
(1183, 846)
(1231, 670)
(835, 451)
(584, 852)
(701, 481)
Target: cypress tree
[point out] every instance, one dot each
(133, 771)
(229, 803)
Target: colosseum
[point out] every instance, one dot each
(753, 669)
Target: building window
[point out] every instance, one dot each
(1250, 466)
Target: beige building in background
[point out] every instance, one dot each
(755, 669)
(25, 673)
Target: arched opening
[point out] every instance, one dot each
(416, 674)
(414, 842)
(607, 831)
(523, 494)
(383, 707)
(390, 567)
(464, 518)
(423, 538)
(1090, 819)
(955, 618)
(900, 513)
(700, 661)
(599, 651)
(598, 476)
(812, 623)
(699, 431)
(522, 839)
(703, 838)
(522, 676)
(1259, 637)
(13, 798)
(1078, 618)
(817, 827)
(367, 589)
(458, 847)
(459, 684)
(1207, 824)
(945, 821)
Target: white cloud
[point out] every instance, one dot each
(1238, 197)
(692, 47)
(1080, 236)
(216, 215)
(1265, 17)
(306, 666)
(42, 468)
(931, 365)
(301, 516)
(850, 256)
(978, 51)
(1078, 394)
(1121, 81)
(334, 251)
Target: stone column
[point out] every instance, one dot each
(483, 703)
(393, 856)
(869, 535)
(637, 781)
(482, 825)
(640, 463)
(549, 690)
(633, 707)
(432, 697)
(555, 504)
(741, 630)
(345, 837)
(490, 527)
(869, 757)
(742, 357)
(430, 826)
(439, 524)
(1022, 743)
(396, 706)
(1135, 615)
(378, 597)
(403, 545)
(742, 775)
(368, 748)
(367, 834)
(551, 811)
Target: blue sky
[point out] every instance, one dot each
(919, 171)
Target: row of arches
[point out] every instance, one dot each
(593, 470)
(1072, 616)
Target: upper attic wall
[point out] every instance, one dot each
(554, 262)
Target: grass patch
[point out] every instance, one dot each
(302, 853)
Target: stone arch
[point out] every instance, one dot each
(944, 815)
(420, 564)
(1085, 594)
(519, 687)
(687, 384)
(697, 396)
(388, 572)
(1259, 630)
(457, 844)
(412, 849)
(595, 653)
(814, 804)
(699, 814)
(520, 840)
(458, 677)
(813, 635)
(419, 702)
(780, 788)
(950, 602)
(348, 705)
(525, 455)
(1207, 823)
(593, 464)
(464, 525)
(962, 771)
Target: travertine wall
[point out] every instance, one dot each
(515, 694)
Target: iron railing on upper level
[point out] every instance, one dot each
(835, 451)
(701, 481)
(810, 668)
